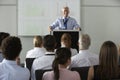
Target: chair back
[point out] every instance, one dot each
(29, 62)
(83, 72)
(39, 73)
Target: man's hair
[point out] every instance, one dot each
(3, 35)
(84, 41)
(11, 47)
(49, 42)
(37, 41)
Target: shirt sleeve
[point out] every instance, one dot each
(75, 24)
(55, 24)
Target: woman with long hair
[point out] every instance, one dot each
(108, 67)
(60, 64)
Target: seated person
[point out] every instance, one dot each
(38, 49)
(66, 42)
(84, 57)
(45, 62)
(9, 69)
(108, 68)
(60, 64)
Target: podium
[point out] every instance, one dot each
(74, 35)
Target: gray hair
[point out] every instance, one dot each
(84, 41)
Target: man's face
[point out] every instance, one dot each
(65, 12)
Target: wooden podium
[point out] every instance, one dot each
(74, 35)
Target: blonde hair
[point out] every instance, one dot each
(37, 41)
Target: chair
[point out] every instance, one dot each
(83, 71)
(39, 73)
(29, 62)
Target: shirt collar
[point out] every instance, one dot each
(81, 51)
(66, 17)
(9, 61)
(49, 53)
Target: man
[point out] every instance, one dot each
(3, 35)
(85, 57)
(66, 22)
(9, 69)
(45, 62)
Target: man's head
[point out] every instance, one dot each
(37, 41)
(3, 35)
(11, 47)
(84, 42)
(65, 11)
(49, 42)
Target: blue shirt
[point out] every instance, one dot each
(59, 24)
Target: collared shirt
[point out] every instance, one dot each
(36, 52)
(64, 75)
(84, 58)
(59, 24)
(9, 70)
(44, 62)
(73, 51)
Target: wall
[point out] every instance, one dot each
(99, 18)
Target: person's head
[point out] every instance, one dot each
(37, 41)
(84, 42)
(108, 53)
(66, 40)
(49, 42)
(11, 47)
(108, 59)
(62, 58)
(3, 35)
(65, 11)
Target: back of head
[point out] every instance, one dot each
(84, 41)
(3, 35)
(66, 40)
(108, 59)
(11, 47)
(61, 57)
(49, 42)
(37, 41)
(108, 53)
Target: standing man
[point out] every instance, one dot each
(66, 22)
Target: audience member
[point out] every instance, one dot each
(9, 70)
(85, 57)
(45, 62)
(108, 68)
(60, 64)
(66, 42)
(38, 50)
(3, 35)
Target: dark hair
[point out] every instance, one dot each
(49, 42)
(61, 57)
(11, 47)
(3, 35)
(108, 61)
(66, 39)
